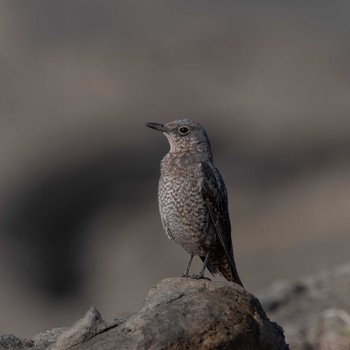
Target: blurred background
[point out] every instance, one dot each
(79, 222)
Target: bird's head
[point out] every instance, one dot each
(185, 135)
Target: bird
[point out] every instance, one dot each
(192, 199)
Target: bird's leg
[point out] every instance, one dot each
(201, 273)
(188, 266)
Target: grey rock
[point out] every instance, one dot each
(178, 313)
(11, 342)
(83, 330)
(183, 313)
(313, 311)
(44, 339)
(334, 330)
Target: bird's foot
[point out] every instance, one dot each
(185, 276)
(200, 277)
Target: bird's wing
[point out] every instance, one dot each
(215, 196)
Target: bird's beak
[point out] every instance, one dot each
(157, 126)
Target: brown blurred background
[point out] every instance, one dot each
(79, 223)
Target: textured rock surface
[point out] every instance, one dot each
(184, 313)
(9, 342)
(178, 313)
(314, 312)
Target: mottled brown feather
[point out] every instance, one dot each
(215, 196)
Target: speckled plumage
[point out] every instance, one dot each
(193, 198)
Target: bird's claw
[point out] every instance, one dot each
(200, 277)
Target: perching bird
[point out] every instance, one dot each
(193, 199)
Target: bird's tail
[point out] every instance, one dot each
(234, 274)
(225, 267)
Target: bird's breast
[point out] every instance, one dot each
(184, 213)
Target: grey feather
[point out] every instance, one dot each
(193, 198)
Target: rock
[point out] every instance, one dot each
(44, 339)
(183, 313)
(83, 330)
(9, 342)
(178, 313)
(198, 314)
(314, 311)
(334, 327)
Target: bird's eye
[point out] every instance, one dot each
(184, 130)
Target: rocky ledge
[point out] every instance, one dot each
(178, 313)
